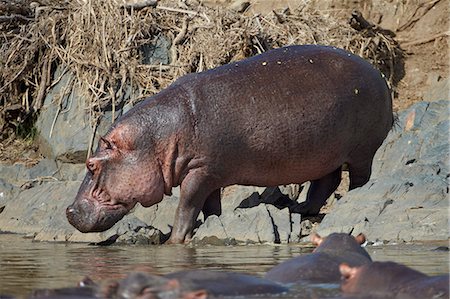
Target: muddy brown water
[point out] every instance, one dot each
(26, 265)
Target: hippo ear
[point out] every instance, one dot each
(316, 239)
(199, 294)
(347, 272)
(173, 284)
(361, 239)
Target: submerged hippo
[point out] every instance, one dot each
(392, 280)
(290, 115)
(188, 284)
(224, 283)
(322, 265)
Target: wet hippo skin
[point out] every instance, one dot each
(392, 280)
(228, 283)
(198, 284)
(322, 265)
(289, 115)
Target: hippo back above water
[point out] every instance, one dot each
(289, 115)
(322, 265)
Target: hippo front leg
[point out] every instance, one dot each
(194, 191)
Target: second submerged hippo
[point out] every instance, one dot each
(198, 284)
(322, 265)
(289, 115)
(392, 280)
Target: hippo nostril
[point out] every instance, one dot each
(90, 166)
(70, 211)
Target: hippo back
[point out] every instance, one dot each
(312, 105)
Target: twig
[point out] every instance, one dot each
(54, 122)
(189, 12)
(94, 132)
(181, 35)
(14, 18)
(177, 40)
(37, 102)
(14, 78)
(426, 40)
(415, 18)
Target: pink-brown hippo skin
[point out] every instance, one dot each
(290, 115)
(140, 285)
(322, 265)
(392, 280)
(191, 284)
(228, 283)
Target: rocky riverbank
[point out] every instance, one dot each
(405, 200)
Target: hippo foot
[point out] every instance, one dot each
(178, 240)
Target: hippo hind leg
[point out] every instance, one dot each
(212, 205)
(318, 193)
(359, 173)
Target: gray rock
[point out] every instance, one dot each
(64, 126)
(160, 215)
(39, 212)
(7, 193)
(46, 170)
(157, 52)
(438, 88)
(41, 208)
(19, 174)
(70, 171)
(263, 223)
(407, 196)
(256, 221)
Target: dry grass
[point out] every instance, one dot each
(101, 44)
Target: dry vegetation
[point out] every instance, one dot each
(104, 45)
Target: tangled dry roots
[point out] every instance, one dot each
(104, 45)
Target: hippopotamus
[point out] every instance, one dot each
(289, 115)
(322, 265)
(225, 283)
(189, 284)
(64, 293)
(392, 280)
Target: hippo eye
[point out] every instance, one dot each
(105, 143)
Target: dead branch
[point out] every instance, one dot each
(426, 40)
(15, 18)
(45, 82)
(416, 15)
(358, 22)
(185, 11)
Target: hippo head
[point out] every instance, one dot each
(122, 172)
(377, 277)
(341, 244)
(148, 286)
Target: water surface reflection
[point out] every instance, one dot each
(27, 265)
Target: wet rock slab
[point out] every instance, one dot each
(407, 197)
(405, 200)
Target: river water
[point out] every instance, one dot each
(26, 265)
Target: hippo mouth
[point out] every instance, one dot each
(90, 216)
